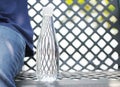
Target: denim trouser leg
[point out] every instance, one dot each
(12, 48)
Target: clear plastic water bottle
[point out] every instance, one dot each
(47, 49)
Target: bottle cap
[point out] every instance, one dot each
(47, 11)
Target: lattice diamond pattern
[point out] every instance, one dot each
(87, 33)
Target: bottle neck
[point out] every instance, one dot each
(47, 24)
(47, 17)
(47, 20)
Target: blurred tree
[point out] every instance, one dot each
(69, 2)
(81, 2)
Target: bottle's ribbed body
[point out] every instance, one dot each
(47, 51)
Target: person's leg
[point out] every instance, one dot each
(12, 51)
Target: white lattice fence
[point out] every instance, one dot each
(87, 32)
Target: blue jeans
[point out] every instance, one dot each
(12, 52)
